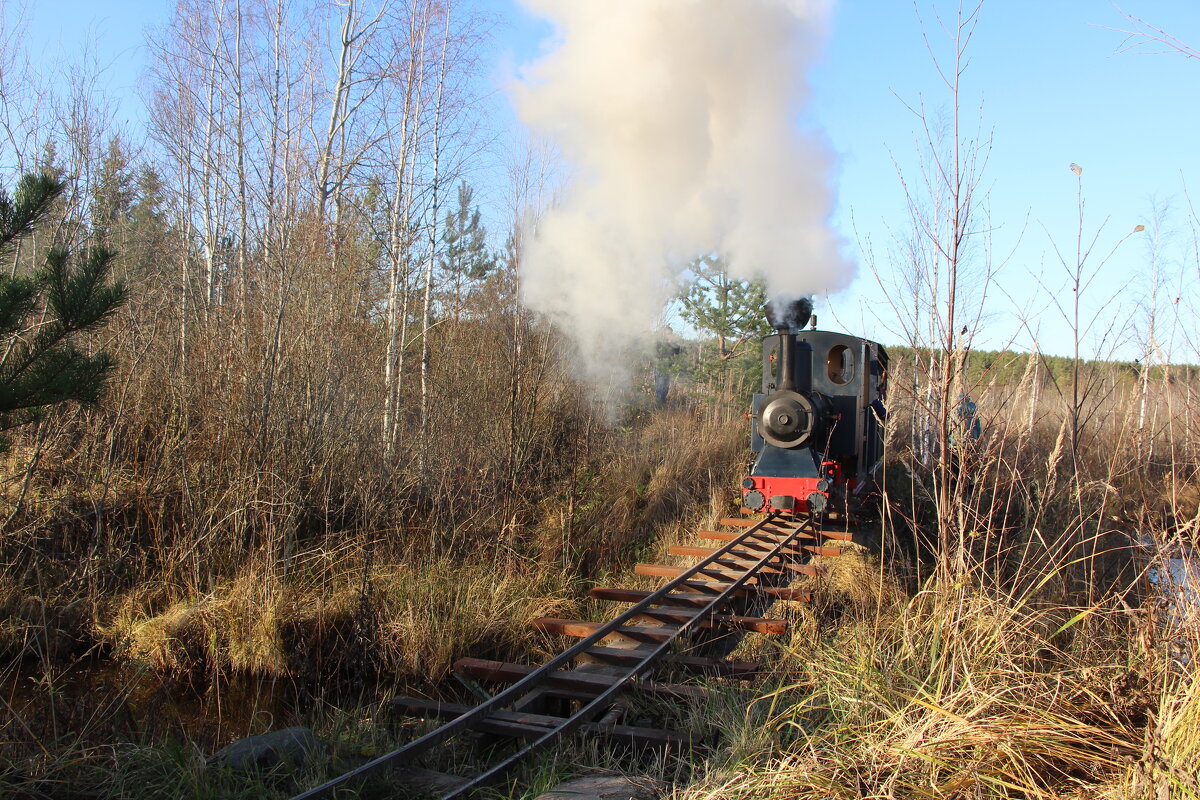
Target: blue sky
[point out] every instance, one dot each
(1047, 79)
(1051, 87)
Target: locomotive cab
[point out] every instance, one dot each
(817, 423)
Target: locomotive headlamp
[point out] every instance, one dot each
(817, 502)
(822, 485)
(748, 483)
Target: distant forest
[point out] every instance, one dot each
(699, 361)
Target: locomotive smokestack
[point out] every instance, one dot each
(789, 314)
(787, 361)
(784, 316)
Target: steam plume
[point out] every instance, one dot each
(680, 119)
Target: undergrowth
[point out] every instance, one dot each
(960, 691)
(340, 621)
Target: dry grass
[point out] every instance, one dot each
(959, 691)
(365, 610)
(402, 606)
(412, 621)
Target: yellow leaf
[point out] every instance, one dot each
(1078, 170)
(1139, 229)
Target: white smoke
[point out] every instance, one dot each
(681, 120)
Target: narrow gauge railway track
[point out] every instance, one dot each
(718, 594)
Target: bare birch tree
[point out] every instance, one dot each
(400, 221)
(431, 255)
(944, 206)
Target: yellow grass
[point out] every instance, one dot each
(416, 619)
(959, 692)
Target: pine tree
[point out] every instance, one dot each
(113, 194)
(41, 315)
(148, 242)
(728, 308)
(466, 258)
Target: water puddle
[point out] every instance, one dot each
(93, 699)
(1178, 578)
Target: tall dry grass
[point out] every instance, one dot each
(1027, 504)
(347, 609)
(961, 691)
(210, 600)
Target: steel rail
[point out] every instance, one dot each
(533, 679)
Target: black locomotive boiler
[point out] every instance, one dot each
(817, 424)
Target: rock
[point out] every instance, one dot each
(605, 787)
(290, 747)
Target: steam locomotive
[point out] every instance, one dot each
(817, 425)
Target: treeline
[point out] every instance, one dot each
(983, 368)
(705, 360)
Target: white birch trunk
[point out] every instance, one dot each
(426, 304)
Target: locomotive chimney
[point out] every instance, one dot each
(789, 314)
(784, 316)
(787, 360)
